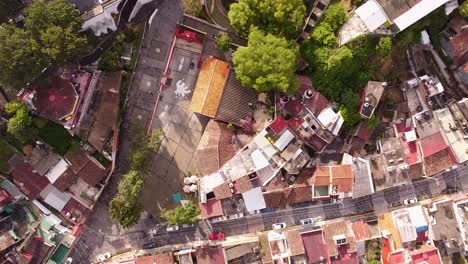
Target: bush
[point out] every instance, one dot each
(384, 48)
(223, 42)
(187, 214)
(192, 7)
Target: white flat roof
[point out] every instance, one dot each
(57, 199)
(418, 11)
(372, 15)
(259, 159)
(56, 171)
(327, 117)
(254, 200)
(284, 140)
(410, 136)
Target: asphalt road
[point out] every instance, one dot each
(376, 203)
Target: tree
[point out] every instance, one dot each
(284, 17)
(324, 35)
(192, 7)
(464, 9)
(223, 42)
(20, 124)
(50, 35)
(142, 146)
(384, 48)
(187, 214)
(335, 17)
(131, 184)
(267, 63)
(126, 212)
(19, 59)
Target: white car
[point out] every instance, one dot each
(410, 201)
(307, 221)
(69, 261)
(278, 225)
(104, 256)
(172, 228)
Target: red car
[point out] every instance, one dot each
(217, 236)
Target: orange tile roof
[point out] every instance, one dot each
(343, 177)
(361, 230)
(144, 260)
(296, 246)
(322, 176)
(164, 258)
(209, 87)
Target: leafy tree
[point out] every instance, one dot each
(192, 7)
(372, 122)
(223, 42)
(19, 59)
(384, 48)
(50, 35)
(131, 184)
(284, 17)
(267, 63)
(464, 9)
(324, 35)
(126, 212)
(20, 124)
(187, 214)
(142, 146)
(335, 17)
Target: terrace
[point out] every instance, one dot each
(371, 97)
(444, 225)
(456, 138)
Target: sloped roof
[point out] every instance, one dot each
(361, 230)
(209, 87)
(85, 166)
(315, 247)
(65, 180)
(165, 258)
(212, 208)
(296, 246)
(234, 105)
(36, 249)
(210, 255)
(29, 182)
(343, 177)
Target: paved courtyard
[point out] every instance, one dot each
(182, 131)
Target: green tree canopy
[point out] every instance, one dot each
(464, 9)
(335, 17)
(267, 63)
(223, 42)
(192, 7)
(187, 214)
(284, 17)
(50, 35)
(126, 212)
(384, 48)
(20, 124)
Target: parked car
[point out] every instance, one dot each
(69, 260)
(172, 228)
(410, 201)
(104, 256)
(217, 236)
(278, 225)
(307, 221)
(188, 225)
(149, 245)
(451, 189)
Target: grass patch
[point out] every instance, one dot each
(6, 151)
(55, 135)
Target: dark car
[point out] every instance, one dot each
(149, 245)
(451, 189)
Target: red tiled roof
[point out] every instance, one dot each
(165, 258)
(426, 254)
(342, 176)
(77, 159)
(36, 249)
(57, 100)
(315, 247)
(305, 178)
(386, 250)
(279, 124)
(433, 144)
(397, 258)
(65, 180)
(243, 184)
(144, 260)
(411, 151)
(460, 46)
(363, 132)
(361, 230)
(77, 209)
(212, 208)
(210, 255)
(29, 182)
(316, 142)
(93, 172)
(345, 256)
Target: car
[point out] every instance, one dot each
(278, 225)
(188, 225)
(307, 221)
(68, 261)
(149, 245)
(451, 189)
(410, 201)
(172, 228)
(104, 256)
(217, 236)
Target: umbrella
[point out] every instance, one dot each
(193, 179)
(187, 180)
(186, 189)
(193, 188)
